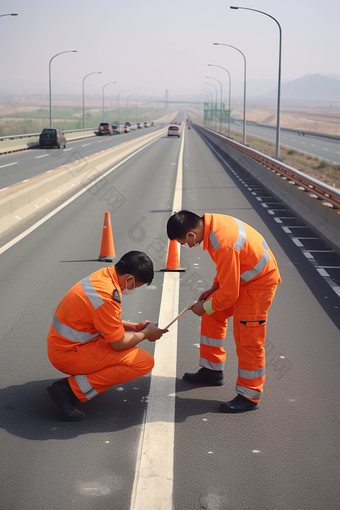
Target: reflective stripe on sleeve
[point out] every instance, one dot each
(241, 236)
(251, 374)
(212, 342)
(247, 392)
(246, 276)
(91, 293)
(214, 241)
(72, 334)
(85, 386)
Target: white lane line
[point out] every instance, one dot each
(3, 189)
(9, 164)
(69, 149)
(21, 236)
(42, 156)
(86, 144)
(322, 271)
(296, 241)
(25, 180)
(153, 483)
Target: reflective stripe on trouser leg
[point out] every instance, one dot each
(135, 363)
(213, 331)
(250, 337)
(85, 387)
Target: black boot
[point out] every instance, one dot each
(61, 393)
(205, 377)
(239, 404)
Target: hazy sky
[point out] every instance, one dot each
(148, 46)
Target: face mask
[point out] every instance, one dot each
(127, 291)
(186, 245)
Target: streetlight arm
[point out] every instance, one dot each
(256, 10)
(279, 76)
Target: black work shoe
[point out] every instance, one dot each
(205, 377)
(239, 404)
(61, 393)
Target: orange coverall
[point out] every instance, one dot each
(245, 283)
(86, 321)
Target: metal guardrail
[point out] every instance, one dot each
(325, 193)
(29, 135)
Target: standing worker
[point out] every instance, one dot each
(244, 287)
(89, 340)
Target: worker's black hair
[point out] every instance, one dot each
(180, 223)
(138, 264)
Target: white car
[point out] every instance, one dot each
(174, 130)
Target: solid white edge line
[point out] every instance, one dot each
(153, 483)
(70, 200)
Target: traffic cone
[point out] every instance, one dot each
(172, 262)
(107, 249)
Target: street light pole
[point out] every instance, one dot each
(245, 88)
(126, 90)
(110, 82)
(221, 98)
(50, 81)
(211, 85)
(278, 113)
(96, 72)
(213, 65)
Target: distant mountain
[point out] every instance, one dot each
(312, 87)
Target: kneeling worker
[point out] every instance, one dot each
(244, 287)
(89, 340)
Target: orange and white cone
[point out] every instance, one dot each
(172, 263)
(107, 249)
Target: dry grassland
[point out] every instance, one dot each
(323, 120)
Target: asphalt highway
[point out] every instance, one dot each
(284, 456)
(324, 149)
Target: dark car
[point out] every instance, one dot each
(52, 137)
(139, 125)
(104, 128)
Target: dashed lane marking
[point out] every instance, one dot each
(9, 164)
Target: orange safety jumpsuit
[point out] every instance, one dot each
(245, 283)
(86, 322)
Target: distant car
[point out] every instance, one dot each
(131, 126)
(174, 130)
(152, 124)
(139, 125)
(117, 129)
(104, 128)
(146, 124)
(52, 137)
(126, 129)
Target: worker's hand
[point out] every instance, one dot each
(198, 309)
(153, 332)
(141, 325)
